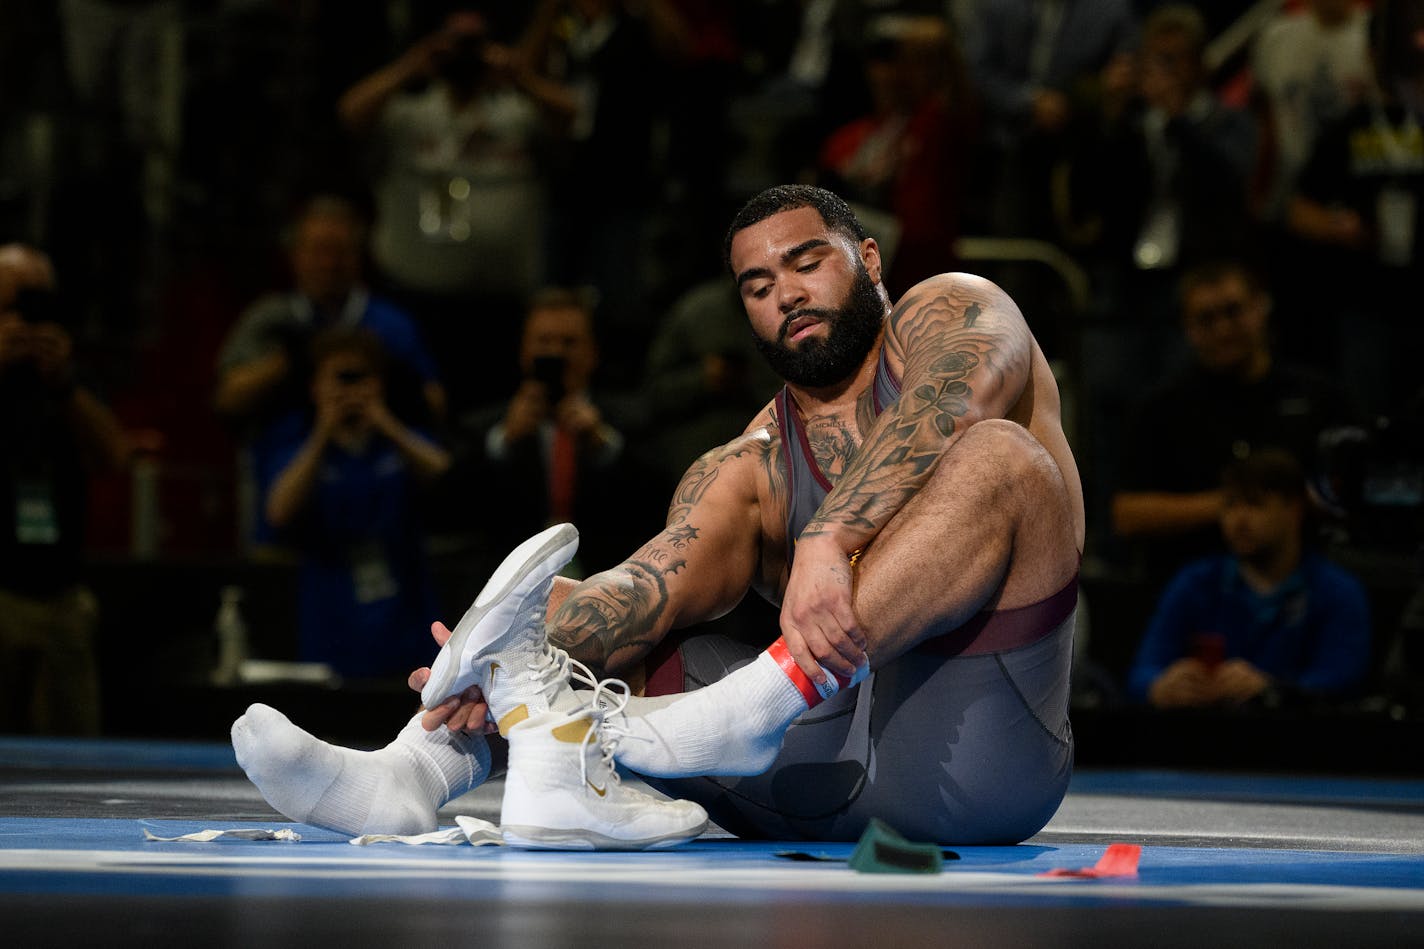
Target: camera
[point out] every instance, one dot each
(38, 305)
(549, 371)
(465, 61)
(350, 377)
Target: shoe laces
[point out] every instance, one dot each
(554, 667)
(609, 696)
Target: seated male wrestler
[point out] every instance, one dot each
(910, 500)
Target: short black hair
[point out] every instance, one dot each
(1211, 272)
(350, 339)
(559, 298)
(833, 210)
(1269, 471)
(327, 206)
(1178, 18)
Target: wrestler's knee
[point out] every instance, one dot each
(999, 437)
(1003, 454)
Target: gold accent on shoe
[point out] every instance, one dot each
(573, 732)
(513, 717)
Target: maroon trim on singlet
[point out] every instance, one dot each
(783, 419)
(886, 388)
(664, 668)
(1002, 630)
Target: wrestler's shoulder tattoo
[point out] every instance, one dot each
(704, 472)
(957, 323)
(773, 466)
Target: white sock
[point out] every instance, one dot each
(733, 726)
(395, 790)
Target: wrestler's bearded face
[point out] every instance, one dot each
(851, 331)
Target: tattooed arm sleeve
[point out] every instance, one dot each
(698, 567)
(966, 352)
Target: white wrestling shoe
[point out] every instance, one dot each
(500, 639)
(562, 792)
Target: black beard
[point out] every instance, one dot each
(852, 330)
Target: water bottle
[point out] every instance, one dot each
(232, 637)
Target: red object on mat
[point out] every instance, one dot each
(1119, 860)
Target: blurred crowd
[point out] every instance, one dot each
(379, 287)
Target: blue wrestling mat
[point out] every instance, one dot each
(1233, 860)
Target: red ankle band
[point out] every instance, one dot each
(782, 656)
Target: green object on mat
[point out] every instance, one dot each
(882, 850)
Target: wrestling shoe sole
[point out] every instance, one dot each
(545, 838)
(532, 563)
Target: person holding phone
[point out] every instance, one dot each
(1271, 620)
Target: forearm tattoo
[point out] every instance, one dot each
(606, 622)
(957, 359)
(611, 621)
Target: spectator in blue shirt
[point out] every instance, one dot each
(340, 483)
(1270, 616)
(263, 371)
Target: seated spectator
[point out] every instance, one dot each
(53, 433)
(547, 453)
(1272, 616)
(340, 483)
(262, 369)
(1234, 399)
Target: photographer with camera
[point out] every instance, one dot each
(455, 125)
(53, 434)
(263, 370)
(340, 483)
(547, 454)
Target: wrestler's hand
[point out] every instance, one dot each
(818, 623)
(465, 712)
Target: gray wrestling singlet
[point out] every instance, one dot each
(963, 740)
